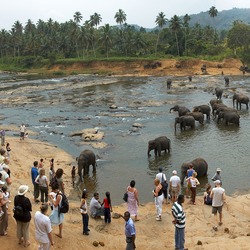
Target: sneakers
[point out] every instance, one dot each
(158, 218)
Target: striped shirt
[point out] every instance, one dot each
(179, 215)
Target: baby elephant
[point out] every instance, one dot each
(159, 144)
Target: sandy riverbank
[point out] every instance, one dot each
(150, 233)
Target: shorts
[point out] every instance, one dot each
(174, 191)
(215, 209)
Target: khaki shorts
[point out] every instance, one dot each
(174, 191)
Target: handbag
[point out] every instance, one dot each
(164, 183)
(125, 197)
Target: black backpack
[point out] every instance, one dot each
(18, 210)
(53, 181)
(64, 208)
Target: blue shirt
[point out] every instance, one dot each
(129, 228)
(190, 172)
(34, 174)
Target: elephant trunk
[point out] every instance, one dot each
(171, 110)
(149, 151)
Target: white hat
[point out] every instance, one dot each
(174, 172)
(217, 182)
(23, 189)
(218, 170)
(2, 182)
(5, 166)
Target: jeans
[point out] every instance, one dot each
(36, 190)
(179, 238)
(44, 191)
(107, 216)
(85, 222)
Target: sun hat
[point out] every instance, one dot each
(23, 189)
(218, 170)
(174, 172)
(2, 182)
(217, 182)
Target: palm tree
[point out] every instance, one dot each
(106, 38)
(77, 17)
(161, 20)
(95, 20)
(213, 12)
(175, 25)
(120, 18)
(186, 20)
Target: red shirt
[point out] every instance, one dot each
(106, 203)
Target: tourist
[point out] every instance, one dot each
(163, 180)
(8, 149)
(23, 221)
(174, 186)
(22, 131)
(41, 164)
(73, 175)
(3, 212)
(218, 195)
(6, 196)
(51, 170)
(43, 228)
(96, 209)
(2, 134)
(59, 179)
(107, 208)
(5, 176)
(217, 176)
(34, 174)
(84, 213)
(130, 231)
(158, 196)
(188, 184)
(56, 218)
(43, 183)
(133, 201)
(207, 199)
(179, 222)
(193, 182)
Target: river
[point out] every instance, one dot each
(54, 108)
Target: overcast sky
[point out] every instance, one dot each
(141, 12)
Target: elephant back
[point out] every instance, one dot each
(86, 154)
(200, 166)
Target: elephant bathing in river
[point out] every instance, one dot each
(240, 98)
(181, 110)
(205, 109)
(159, 144)
(218, 92)
(200, 166)
(184, 121)
(85, 159)
(229, 117)
(198, 116)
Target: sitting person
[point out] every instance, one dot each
(207, 199)
(96, 209)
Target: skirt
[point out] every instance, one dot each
(55, 219)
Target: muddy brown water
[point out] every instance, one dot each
(78, 102)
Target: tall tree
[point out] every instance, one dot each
(105, 38)
(77, 17)
(175, 25)
(213, 12)
(161, 20)
(186, 20)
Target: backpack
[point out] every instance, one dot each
(164, 183)
(208, 200)
(64, 208)
(53, 181)
(18, 210)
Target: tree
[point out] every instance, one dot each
(213, 12)
(186, 20)
(175, 25)
(106, 38)
(77, 17)
(161, 20)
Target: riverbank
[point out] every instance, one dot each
(233, 234)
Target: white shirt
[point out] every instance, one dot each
(42, 227)
(218, 193)
(159, 177)
(22, 128)
(175, 181)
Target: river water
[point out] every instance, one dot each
(54, 108)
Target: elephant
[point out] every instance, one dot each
(240, 98)
(229, 117)
(190, 78)
(198, 116)
(85, 159)
(159, 144)
(181, 110)
(205, 109)
(199, 165)
(226, 81)
(169, 83)
(204, 68)
(218, 92)
(184, 121)
(213, 101)
(216, 106)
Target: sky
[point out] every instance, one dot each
(140, 12)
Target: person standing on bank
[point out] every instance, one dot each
(158, 196)
(23, 221)
(43, 228)
(2, 133)
(22, 131)
(218, 195)
(193, 182)
(133, 201)
(34, 174)
(84, 212)
(163, 180)
(43, 183)
(130, 231)
(179, 222)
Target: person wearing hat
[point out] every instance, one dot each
(5, 175)
(23, 220)
(217, 176)
(175, 185)
(218, 196)
(4, 213)
(84, 212)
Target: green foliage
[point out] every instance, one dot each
(58, 73)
